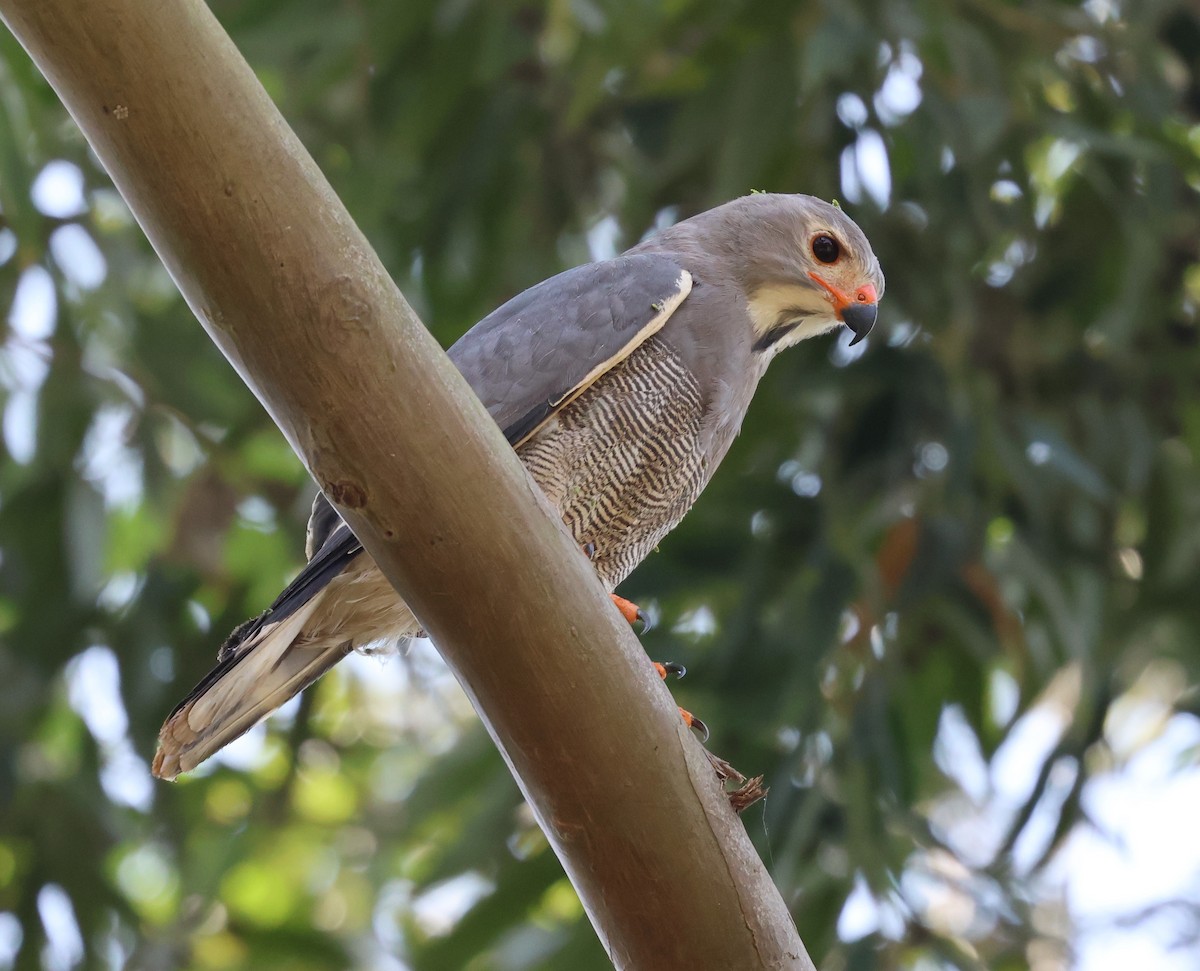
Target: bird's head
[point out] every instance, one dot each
(804, 266)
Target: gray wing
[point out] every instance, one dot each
(543, 348)
(525, 361)
(321, 524)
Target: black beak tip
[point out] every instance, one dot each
(860, 318)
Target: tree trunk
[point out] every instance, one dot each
(284, 282)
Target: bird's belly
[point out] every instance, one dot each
(623, 462)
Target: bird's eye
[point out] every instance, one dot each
(826, 249)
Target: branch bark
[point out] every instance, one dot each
(288, 288)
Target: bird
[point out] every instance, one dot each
(621, 384)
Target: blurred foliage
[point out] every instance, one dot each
(983, 530)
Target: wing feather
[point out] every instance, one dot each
(535, 354)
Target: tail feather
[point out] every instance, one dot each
(267, 670)
(344, 604)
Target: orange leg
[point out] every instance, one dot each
(632, 612)
(692, 722)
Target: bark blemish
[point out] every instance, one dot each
(343, 492)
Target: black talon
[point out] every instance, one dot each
(647, 624)
(676, 669)
(589, 550)
(699, 727)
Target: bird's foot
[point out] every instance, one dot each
(741, 792)
(695, 724)
(632, 612)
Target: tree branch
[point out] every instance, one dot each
(284, 282)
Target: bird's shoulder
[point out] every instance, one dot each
(537, 352)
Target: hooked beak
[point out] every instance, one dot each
(858, 312)
(860, 318)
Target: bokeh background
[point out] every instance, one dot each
(944, 592)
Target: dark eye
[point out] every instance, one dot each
(826, 249)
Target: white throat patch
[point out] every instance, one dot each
(809, 312)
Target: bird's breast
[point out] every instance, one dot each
(623, 462)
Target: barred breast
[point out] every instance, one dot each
(623, 462)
